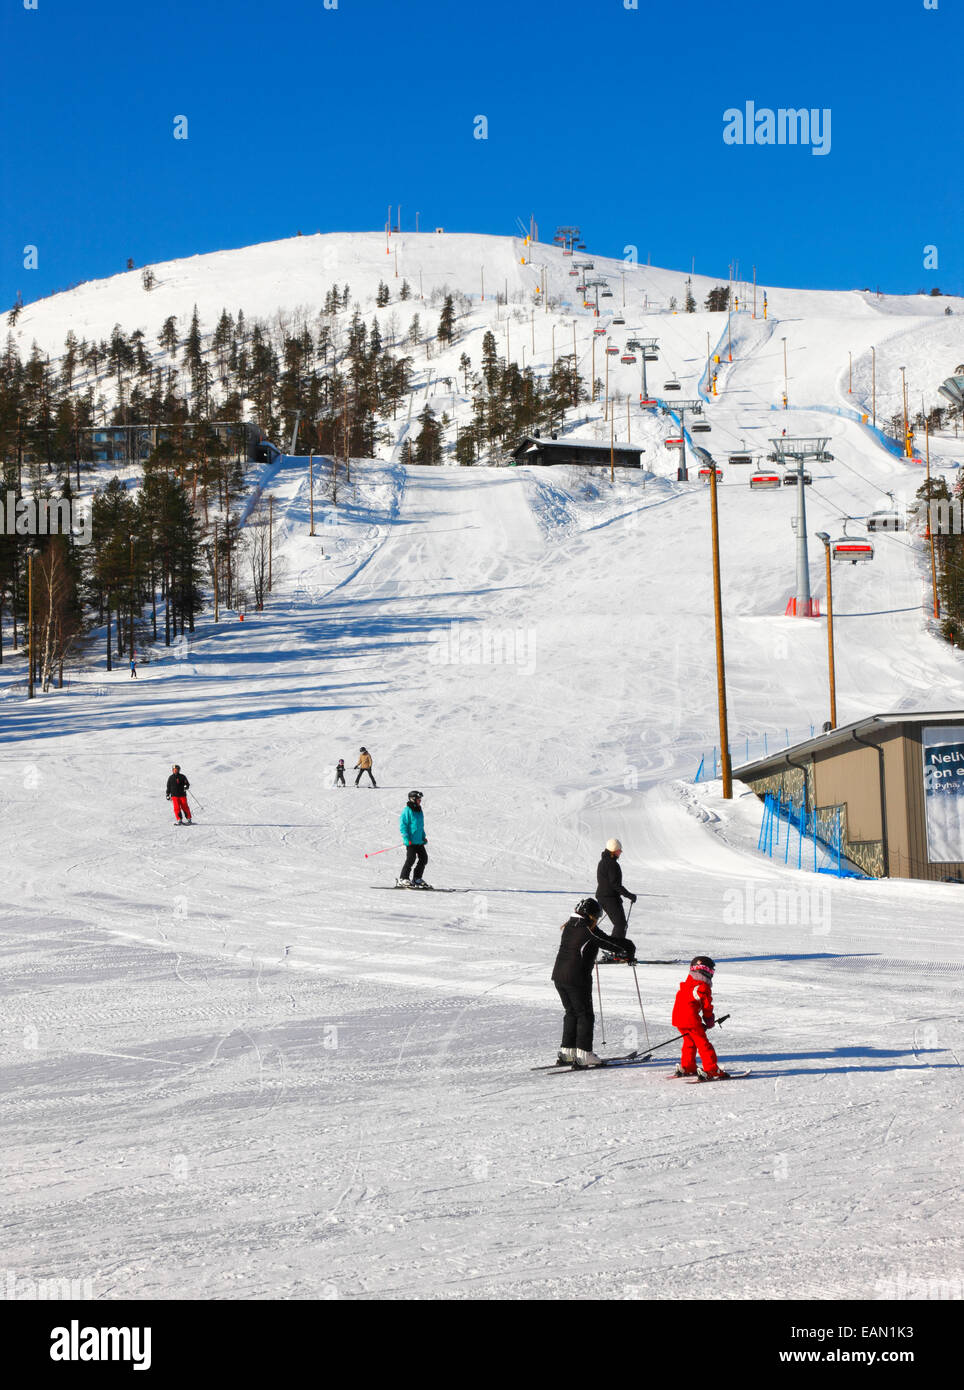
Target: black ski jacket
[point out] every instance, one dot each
(578, 949)
(177, 784)
(609, 878)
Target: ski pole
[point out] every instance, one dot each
(384, 851)
(602, 1021)
(640, 998)
(198, 805)
(677, 1038)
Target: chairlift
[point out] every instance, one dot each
(741, 458)
(619, 319)
(852, 549)
(606, 294)
(674, 443)
(629, 358)
(824, 457)
(766, 479)
(673, 385)
(700, 427)
(886, 518)
(647, 400)
(650, 356)
(612, 350)
(706, 473)
(581, 246)
(567, 251)
(599, 332)
(792, 478)
(574, 271)
(580, 289)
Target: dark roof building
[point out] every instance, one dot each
(897, 781)
(542, 452)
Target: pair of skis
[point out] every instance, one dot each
(628, 1059)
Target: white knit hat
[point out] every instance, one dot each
(613, 846)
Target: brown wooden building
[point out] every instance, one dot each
(897, 781)
(535, 449)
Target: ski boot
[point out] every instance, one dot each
(402, 883)
(420, 883)
(567, 1057)
(587, 1059)
(718, 1075)
(680, 1072)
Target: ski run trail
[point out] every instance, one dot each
(232, 1068)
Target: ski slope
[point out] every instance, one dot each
(232, 1067)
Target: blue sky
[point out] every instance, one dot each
(302, 118)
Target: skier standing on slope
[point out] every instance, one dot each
(177, 785)
(364, 764)
(692, 1016)
(572, 977)
(340, 773)
(610, 890)
(133, 669)
(411, 823)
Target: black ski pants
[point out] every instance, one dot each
(361, 772)
(613, 908)
(415, 853)
(339, 776)
(578, 1024)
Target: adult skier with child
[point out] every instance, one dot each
(572, 976)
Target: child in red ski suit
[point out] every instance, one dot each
(693, 1015)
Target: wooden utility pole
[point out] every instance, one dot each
(606, 403)
(311, 491)
(30, 627)
(131, 647)
(718, 624)
(830, 661)
(593, 386)
(270, 536)
(930, 529)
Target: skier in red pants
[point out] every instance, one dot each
(692, 1016)
(177, 785)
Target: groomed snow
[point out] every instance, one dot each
(233, 1067)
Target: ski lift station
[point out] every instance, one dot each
(543, 452)
(894, 783)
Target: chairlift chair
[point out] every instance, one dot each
(674, 443)
(852, 549)
(706, 473)
(673, 385)
(619, 319)
(629, 358)
(599, 332)
(606, 294)
(741, 458)
(612, 350)
(791, 478)
(574, 271)
(650, 356)
(700, 427)
(765, 479)
(886, 519)
(647, 400)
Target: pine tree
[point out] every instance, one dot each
(690, 302)
(446, 323)
(167, 337)
(428, 445)
(381, 298)
(404, 292)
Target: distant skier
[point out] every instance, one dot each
(610, 890)
(340, 773)
(411, 823)
(133, 670)
(177, 785)
(572, 977)
(692, 1016)
(364, 764)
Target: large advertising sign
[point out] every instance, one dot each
(944, 794)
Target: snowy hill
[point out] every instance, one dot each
(236, 1067)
